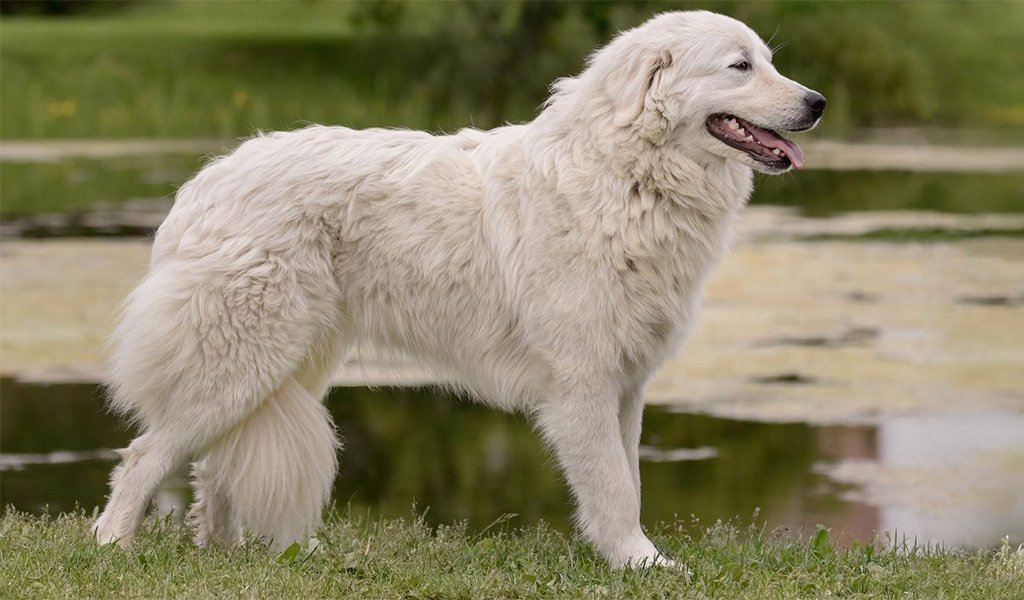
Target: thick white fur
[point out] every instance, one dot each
(547, 267)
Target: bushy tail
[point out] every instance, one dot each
(273, 470)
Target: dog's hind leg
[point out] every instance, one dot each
(583, 427)
(144, 465)
(211, 512)
(168, 443)
(272, 473)
(198, 353)
(275, 468)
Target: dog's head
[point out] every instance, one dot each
(707, 81)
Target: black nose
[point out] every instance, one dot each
(815, 102)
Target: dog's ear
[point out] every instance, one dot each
(638, 101)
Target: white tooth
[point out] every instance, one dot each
(733, 124)
(777, 152)
(750, 138)
(740, 131)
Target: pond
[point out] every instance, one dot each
(129, 192)
(857, 363)
(417, 450)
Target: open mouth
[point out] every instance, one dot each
(763, 145)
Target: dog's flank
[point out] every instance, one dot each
(547, 268)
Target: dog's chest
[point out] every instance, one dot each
(660, 265)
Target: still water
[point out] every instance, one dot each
(129, 195)
(458, 461)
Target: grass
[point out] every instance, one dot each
(202, 69)
(51, 557)
(212, 69)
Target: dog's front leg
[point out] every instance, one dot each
(583, 427)
(631, 411)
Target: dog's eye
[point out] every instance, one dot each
(741, 66)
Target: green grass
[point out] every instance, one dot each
(202, 69)
(43, 557)
(220, 69)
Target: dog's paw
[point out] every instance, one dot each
(106, 534)
(637, 553)
(647, 562)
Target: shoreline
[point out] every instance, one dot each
(842, 331)
(832, 155)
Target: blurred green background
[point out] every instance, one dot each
(932, 72)
(119, 69)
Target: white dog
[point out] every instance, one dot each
(547, 267)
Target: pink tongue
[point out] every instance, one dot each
(770, 140)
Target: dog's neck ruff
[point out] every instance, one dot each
(621, 157)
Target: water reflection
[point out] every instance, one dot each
(129, 196)
(943, 477)
(459, 461)
(823, 193)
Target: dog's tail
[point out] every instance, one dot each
(273, 470)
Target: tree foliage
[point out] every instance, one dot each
(881, 63)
